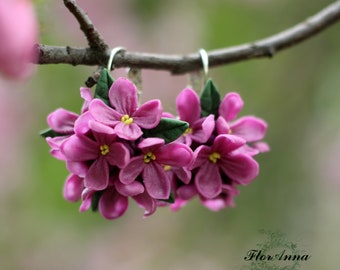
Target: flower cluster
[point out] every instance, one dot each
(117, 149)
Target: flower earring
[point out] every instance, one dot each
(116, 149)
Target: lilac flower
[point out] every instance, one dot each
(155, 154)
(125, 117)
(101, 152)
(189, 110)
(219, 160)
(250, 128)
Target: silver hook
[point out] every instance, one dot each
(205, 61)
(113, 53)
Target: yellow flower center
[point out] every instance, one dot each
(187, 131)
(214, 157)
(148, 157)
(167, 168)
(126, 119)
(104, 149)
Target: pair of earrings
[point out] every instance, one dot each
(117, 150)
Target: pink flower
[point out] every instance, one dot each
(125, 118)
(100, 152)
(221, 163)
(250, 128)
(150, 163)
(189, 110)
(18, 34)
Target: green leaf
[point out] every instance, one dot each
(210, 99)
(168, 129)
(103, 86)
(50, 133)
(171, 199)
(95, 200)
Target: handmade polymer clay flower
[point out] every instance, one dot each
(91, 157)
(250, 128)
(124, 116)
(189, 110)
(150, 165)
(220, 163)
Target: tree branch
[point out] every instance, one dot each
(179, 64)
(94, 39)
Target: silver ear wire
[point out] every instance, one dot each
(113, 53)
(205, 61)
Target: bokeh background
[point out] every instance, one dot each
(297, 192)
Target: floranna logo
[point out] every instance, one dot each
(275, 254)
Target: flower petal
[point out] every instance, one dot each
(97, 177)
(79, 168)
(62, 121)
(230, 106)
(155, 181)
(186, 192)
(86, 197)
(188, 106)
(123, 96)
(112, 205)
(73, 188)
(174, 154)
(119, 155)
(128, 174)
(146, 202)
(201, 155)
(224, 144)
(103, 113)
(128, 190)
(148, 115)
(222, 126)
(208, 180)
(240, 168)
(129, 132)
(79, 148)
(203, 128)
(250, 128)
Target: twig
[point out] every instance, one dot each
(94, 39)
(178, 64)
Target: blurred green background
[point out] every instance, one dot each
(297, 192)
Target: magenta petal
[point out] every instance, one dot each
(79, 148)
(225, 144)
(183, 174)
(186, 192)
(97, 177)
(203, 128)
(73, 188)
(129, 190)
(208, 180)
(62, 121)
(103, 113)
(79, 168)
(174, 154)
(156, 182)
(119, 155)
(250, 128)
(112, 205)
(149, 114)
(222, 126)
(123, 96)
(188, 106)
(201, 155)
(240, 168)
(146, 202)
(98, 127)
(81, 126)
(128, 131)
(128, 174)
(261, 146)
(230, 106)
(150, 144)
